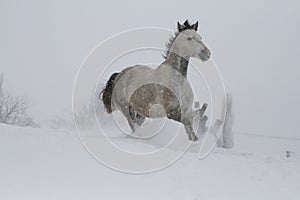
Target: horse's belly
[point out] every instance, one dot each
(155, 101)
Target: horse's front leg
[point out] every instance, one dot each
(188, 125)
(186, 118)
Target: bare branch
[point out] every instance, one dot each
(13, 110)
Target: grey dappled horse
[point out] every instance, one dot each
(140, 91)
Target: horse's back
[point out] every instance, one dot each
(131, 78)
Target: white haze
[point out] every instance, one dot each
(254, 43)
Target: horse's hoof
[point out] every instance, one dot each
(133, 129)
(194, 138)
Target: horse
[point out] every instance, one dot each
(140, 91)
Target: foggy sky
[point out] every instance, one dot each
(254, 43)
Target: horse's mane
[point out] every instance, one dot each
(186, 25)
(169, 44)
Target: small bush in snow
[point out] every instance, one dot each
(226, 139)
(13, 110)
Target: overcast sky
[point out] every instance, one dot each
(254, 43)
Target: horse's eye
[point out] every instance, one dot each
(189, 38)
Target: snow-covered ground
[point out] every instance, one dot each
(52, 164)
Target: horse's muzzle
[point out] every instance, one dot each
(205, 55)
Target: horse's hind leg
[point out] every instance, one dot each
(126, 112)
(139, 119)
(136, 117)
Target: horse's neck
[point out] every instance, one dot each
(177, 62)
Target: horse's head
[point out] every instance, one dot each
(188, 42)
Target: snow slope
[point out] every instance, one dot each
(52, 164)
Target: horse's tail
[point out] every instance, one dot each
(107, 92)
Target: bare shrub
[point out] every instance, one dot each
(61, 123)
(13, 110)
(226, 139)
(85, 115)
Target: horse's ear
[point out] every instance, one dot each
(180, 27)
(195, 26)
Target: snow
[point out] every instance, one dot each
(53, 164)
